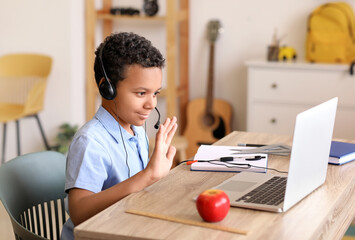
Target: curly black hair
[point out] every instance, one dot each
(121, 50)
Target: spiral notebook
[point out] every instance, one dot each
(241, 162)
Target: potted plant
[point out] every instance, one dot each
(64, 137)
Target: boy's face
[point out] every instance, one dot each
(137, 95)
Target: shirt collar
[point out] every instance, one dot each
(113, 127)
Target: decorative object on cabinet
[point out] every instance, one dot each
(177, 44)
(278, 91)
(207, 119)
(276, 53)
(272, 53)
(273, 48)
(287, 54)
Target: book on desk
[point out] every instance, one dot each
(341, 152)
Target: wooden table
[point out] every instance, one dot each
(324, 214)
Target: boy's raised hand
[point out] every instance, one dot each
(163, 155)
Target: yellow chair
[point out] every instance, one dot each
(23, 80)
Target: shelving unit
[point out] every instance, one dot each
(176, 24)
(176, 93)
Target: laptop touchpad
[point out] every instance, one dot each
(237, 186)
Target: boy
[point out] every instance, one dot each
(108, 157)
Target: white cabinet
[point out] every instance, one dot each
(278, 91)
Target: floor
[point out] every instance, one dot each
(6, 227)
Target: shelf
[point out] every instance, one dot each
(181, 16)
(108, 16)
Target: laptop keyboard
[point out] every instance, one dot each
(272, 192)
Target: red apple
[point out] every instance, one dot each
(213, 205)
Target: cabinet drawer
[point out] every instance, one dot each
(272, 118)
(280, 119)
(302, 87)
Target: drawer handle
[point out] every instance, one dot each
(274, 85)
(273, 121)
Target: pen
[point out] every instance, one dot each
(250, 145)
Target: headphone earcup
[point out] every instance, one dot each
(106, 90)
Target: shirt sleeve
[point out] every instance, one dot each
(88, 165)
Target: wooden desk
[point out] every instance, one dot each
(324, 214)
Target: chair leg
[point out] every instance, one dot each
(42, 132)
(3, 143)
(18, 137)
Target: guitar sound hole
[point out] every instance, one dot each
(208, 120)
(220, 131)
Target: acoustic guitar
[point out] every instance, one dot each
(207, 119)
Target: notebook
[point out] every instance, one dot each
(307, 170)
(341, 152)
(241, 162)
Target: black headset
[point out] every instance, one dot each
(108, 91)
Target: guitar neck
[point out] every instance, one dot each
(209, 98)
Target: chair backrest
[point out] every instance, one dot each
(32, 191)
(23, 80)
(18, 65)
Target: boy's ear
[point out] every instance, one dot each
(106, 89)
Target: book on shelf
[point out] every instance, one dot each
(341, 152)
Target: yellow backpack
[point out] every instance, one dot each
(331, 34)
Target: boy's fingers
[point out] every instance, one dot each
(171, 153)
(171, 125)
(171, 134)
(165, 135)
(159, 136)
(167, 122)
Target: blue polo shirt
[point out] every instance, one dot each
(97, 157)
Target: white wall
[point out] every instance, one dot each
(248, 29)
(56, 27)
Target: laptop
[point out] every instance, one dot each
(307, 170)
